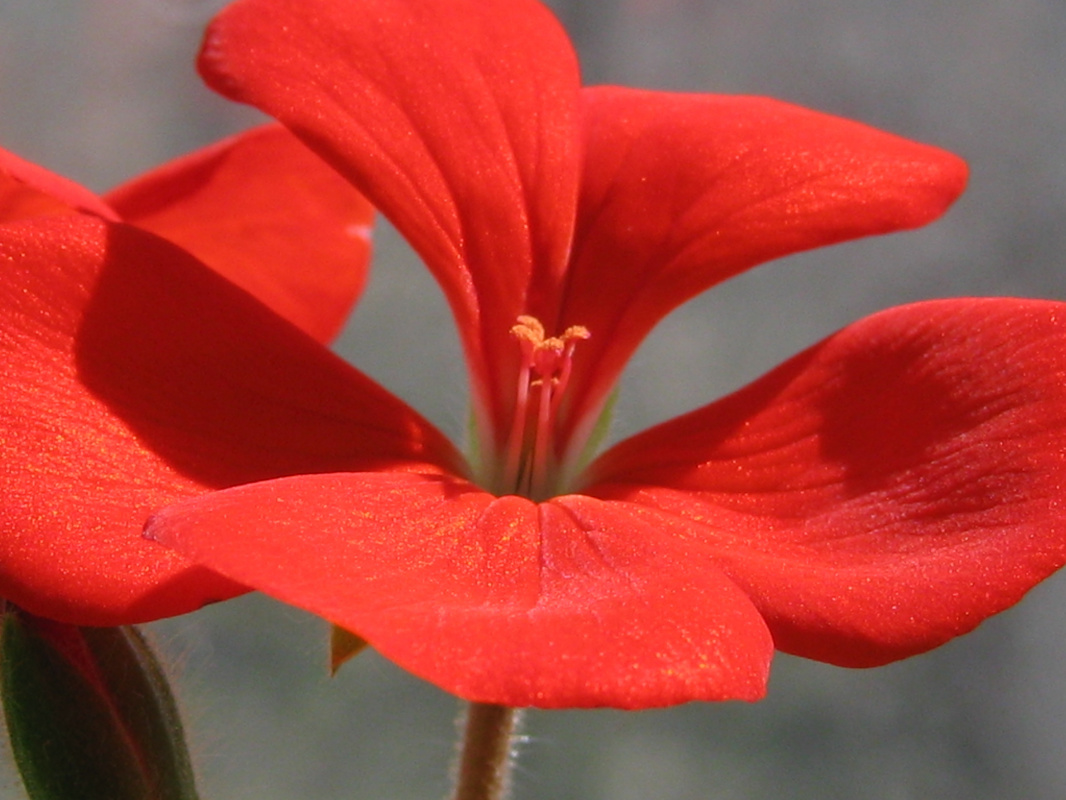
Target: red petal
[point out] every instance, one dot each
(271, 216)
(27, 190)
(455, 117)
(495, 599)
(682, 191)
(132, 375)
(884, 491)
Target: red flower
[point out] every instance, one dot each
(868, 500)
(871, 498)
(129, 371)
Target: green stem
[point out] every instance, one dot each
(485, 763)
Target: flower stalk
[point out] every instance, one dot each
(487, 753)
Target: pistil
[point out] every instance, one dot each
(546, 365)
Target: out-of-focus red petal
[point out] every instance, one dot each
(132, 375)
(455, 117)
(683, 191)
(27, 190)
(884, 491)
(268, 214)
(569, 603)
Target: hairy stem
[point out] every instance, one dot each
(485, 762)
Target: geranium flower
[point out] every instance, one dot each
(130, 372)
(873, 497)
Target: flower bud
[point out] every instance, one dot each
(89, 713)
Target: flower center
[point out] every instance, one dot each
(543, 374)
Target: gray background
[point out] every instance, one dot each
(101, 89)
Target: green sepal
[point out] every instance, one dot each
(343, 646)
(89, 713)
(599, 430)
(591, 448)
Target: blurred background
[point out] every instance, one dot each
(100, 90)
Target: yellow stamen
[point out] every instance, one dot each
(546, 365)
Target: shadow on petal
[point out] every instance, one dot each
(222, 388)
